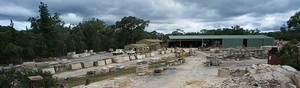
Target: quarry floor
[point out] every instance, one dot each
(191, 74)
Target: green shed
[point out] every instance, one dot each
(137, 47)
(224, 41)
(154, 44)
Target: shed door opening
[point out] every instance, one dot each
(245, 42)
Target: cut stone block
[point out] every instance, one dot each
(76, 66)
(147, 55)
(223, 72)
(132, 57)
(126, 58)
(104, 70)
(108, 61)
(118, 60)
(29, 64)
(51, 70)
(41, 64)
(138, 57)
(151, 54)
(101, 63)
(143, 56)
(88, 64)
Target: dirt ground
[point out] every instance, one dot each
(191, 74)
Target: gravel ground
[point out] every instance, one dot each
(189, 75)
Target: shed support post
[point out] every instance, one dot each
(202, 43)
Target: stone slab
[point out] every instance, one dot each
(151, 54)
(126, 58)
(29, 64)
(138, 57)
(104, 70)
(147, 55)
(132, 57)
(223, 72)
(41, 64)
(76, 66)
(88, 64)
(101, 63)
(108, 61)
(143, 56)
(118, 60)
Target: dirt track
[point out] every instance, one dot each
(189, 75)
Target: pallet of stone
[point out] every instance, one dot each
(126, 58)
(108, 61)
(87, 64)
(118, 60)
(76, 66)
(132, 57)
(100, 62)
(51, 70)
(142, 69)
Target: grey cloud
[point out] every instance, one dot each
(164, 15)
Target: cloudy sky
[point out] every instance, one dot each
(164, 15)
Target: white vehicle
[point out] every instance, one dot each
(118, 52)
(130, 52)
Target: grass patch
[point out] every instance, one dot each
(97, 77)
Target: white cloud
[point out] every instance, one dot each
(71, 18)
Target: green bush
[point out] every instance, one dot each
(289, 55)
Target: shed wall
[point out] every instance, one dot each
(226, 43)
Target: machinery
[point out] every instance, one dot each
(180, 53)
(212, 61)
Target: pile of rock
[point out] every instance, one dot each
(264, 76)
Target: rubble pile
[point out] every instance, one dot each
(241, 53)
(264, 76)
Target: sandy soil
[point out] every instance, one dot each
(188, 75)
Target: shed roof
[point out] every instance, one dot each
(151, 40)
(137, 45)
(218, 37)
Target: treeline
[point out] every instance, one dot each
(49, 37)
(234, 30)
(290, 31)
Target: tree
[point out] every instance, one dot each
(294, 21)
(92, 33)
(289, 54)
(130, 29)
